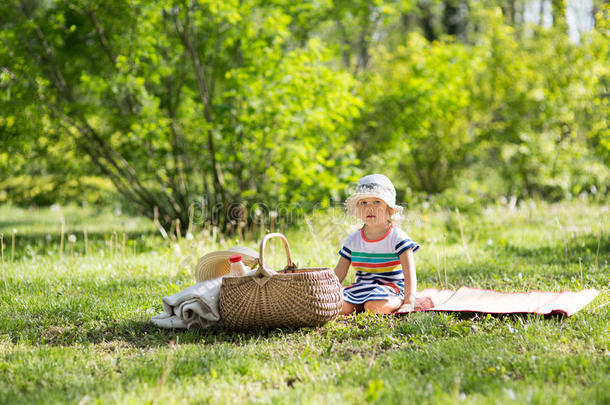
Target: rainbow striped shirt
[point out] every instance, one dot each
(379, 274)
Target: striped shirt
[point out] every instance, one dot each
(379, 274)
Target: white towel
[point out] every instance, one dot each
(195, 306)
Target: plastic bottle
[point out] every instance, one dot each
(238, 268)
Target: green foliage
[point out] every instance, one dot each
(278, 102)
(536, 96)
(529, 106)
(420, 106)
(598, 111)
(293, 125)
(172, 102)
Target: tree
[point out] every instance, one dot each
(181, 102)
(420, 108)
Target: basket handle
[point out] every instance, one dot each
(262, 274)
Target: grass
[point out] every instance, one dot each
(74, 325)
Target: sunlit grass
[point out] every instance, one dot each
(76, 326)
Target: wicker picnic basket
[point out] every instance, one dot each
(291, 297)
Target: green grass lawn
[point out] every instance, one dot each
(74, 325)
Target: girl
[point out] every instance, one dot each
(381, 253)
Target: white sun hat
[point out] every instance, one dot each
(373, 186)
(216, 264)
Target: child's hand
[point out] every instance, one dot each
(409, 299)
(407, 304)
(423, 303)
(411, 304)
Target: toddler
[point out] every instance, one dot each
(381, 253)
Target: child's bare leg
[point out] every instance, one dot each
(347, 308)
(383, 306)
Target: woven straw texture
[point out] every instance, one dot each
(216, 264)
(290, 298)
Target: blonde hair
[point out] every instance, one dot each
(391, 218)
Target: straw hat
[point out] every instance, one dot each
(216, 264)
(373, 186)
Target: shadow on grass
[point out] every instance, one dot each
(94, 311)
(39, 242)
(515, 268)
(571, 252)
(482, 316)
(143, 334)
(67, 311)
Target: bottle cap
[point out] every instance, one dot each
(234, 258)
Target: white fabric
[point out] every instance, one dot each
(195, 306)
(373, 186)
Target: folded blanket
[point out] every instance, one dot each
(195, 306)
(468, 299)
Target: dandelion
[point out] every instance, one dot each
(272, 215)
(177, 250)
(189, 236)
(489, 242)
(72, 241)
(510, 393)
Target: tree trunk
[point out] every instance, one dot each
(509, 10)
(559, 14)
(205, 84)
(426, 21)
(451, 18)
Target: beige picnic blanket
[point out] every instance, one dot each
(467, 299)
